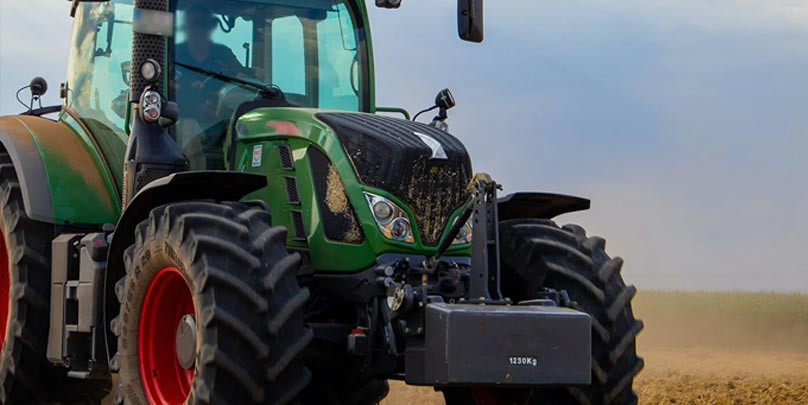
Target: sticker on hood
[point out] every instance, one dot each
(437, 148)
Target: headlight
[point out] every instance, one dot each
(393, 221)
(464, 236)
(383, 212)
(150, 106)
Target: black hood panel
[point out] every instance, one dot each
(387, 154)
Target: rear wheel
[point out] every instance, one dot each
(211, 311)
(539, 254)
(25, 256)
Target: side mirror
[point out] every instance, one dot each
(388, 3)
(470, 19)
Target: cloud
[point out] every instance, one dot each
(34, 39)
(684, 121)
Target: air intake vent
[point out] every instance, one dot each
(292, 193)
(285, 155)
(299, 231)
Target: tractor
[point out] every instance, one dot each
(219, 213)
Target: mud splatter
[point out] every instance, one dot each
(336, 199)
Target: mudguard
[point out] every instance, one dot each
(183, 186)
(538, 205)
(62, 175)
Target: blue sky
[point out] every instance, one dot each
(685, 121)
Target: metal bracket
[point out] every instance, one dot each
(485, 277)
(75, 339)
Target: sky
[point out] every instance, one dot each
(685, 121)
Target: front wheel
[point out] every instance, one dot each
(538, 254)
(211, 311)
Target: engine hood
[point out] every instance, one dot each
(426, 168)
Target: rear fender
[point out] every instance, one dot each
(539, 205)
(62, 176)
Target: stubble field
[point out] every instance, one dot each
(708, 348)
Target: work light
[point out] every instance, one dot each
(150, 70)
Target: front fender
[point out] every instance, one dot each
(183, 186)
(538, 205)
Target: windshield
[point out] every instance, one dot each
(312, 50)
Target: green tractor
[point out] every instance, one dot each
(219, 214)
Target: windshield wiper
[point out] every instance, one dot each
(271, 92)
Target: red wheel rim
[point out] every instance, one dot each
(167, 299)
(5, 287)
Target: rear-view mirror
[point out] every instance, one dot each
(470, 19)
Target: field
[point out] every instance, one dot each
(709, 348)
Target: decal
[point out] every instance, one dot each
(437, 148)
(523, 361)
(258, 151)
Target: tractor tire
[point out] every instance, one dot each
(538, 254)
(25, 256)
(210, 310)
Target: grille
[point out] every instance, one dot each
(297, 226)
(147, 173)
(145, 47)
(152, 4)
(387, 154)
(285, 156)
(292, 194)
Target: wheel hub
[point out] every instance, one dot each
(186, 341)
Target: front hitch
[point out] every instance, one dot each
(484, 283)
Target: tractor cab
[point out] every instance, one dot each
(312, 52)
(221, 54)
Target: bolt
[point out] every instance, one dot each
(119, 396)
(115, 363)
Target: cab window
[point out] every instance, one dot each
(312, 50)
(98, 74)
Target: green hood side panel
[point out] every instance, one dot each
(81, 189)
(258, 135)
